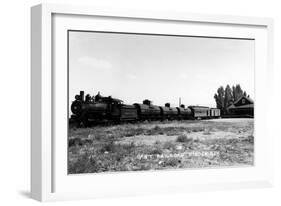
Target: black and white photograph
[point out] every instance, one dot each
(144, 102)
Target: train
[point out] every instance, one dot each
(96, 109)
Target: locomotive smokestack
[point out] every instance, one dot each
(82, 95)
(147, 102)
(167, 105)
(179, 102)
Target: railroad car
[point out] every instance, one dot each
(184, 113)
(215, 113)
(147, 111)
(168, 112)
(200, 112)
(123, 112)
(86, 109)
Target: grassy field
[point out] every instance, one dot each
(161, 145)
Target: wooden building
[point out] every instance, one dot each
(244, 106)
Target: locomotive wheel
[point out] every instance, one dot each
(85, 122)
(77, 124)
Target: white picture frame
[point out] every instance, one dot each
(49, 180)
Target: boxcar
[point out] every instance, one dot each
(215, 113)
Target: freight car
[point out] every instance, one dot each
(215, 113)
(200, 112)
(147, 111)
(184, 113)
(107, 109)
(168, 112)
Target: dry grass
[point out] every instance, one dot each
(161, 145)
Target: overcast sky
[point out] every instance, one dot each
(160, 68)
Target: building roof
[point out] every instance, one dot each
(247, 98)
(247, 106)
(231, 106)
(237, 104)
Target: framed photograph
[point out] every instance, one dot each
(137, 102)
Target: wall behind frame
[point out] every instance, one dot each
(15, 101)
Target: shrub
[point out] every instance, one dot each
(128, 146)
(157, 142)
(86, 163)
(139, 131)
(98, 136)
(168, 145)
(109, 147)
(74, 142)
(197, 130)
(249, 139)
(156, 127)
(207, 132)
(144, 167)
(130, 133)
(172, 162)
(156, 151)
(183, 138)
(133, 132)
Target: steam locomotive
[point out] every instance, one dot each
(87, 109)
